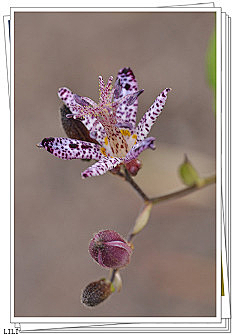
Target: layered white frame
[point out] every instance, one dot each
(138, 324)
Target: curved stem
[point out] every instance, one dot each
(178, 194)
(141, 222)
(113, 275)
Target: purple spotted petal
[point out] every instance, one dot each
(134, 96)
(139, 147)
(75, 103)
(95, 128)
(101, 167)
(66, 148)
(128, 84)
(66, 96)
(151, 115)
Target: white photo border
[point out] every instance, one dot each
(145, 321)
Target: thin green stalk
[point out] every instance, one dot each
(178, 194)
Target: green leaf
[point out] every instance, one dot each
(142, 219)
(188, 173)
(211, 65)
(117, 281)
(112, 288)
(211, 62)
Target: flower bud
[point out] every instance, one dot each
(133, 166)
(110, 250)
(188, 173)
(96, 292)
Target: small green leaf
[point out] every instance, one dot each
(117, 281)
(211, 62)
(211, 65)
(142, 219)
(112, 288)
(188, 174)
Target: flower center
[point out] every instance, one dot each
(118, 144)
(105, 114)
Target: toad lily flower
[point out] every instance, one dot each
(112, 123)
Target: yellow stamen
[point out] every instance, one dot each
(125, 132)
(103, 151)
(106, 140)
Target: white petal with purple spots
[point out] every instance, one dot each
(126, 80)
(73, 102)
(139, 147)
(151, 115)
(67, 148)
(95, 128)
(101, 167)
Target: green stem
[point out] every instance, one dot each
(113, 275)
(178, 194)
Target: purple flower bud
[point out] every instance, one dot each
(133, 166)
(96, 292)
(110, 250)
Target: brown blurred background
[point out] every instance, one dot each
(172, 271)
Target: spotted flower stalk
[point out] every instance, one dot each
(111, 123)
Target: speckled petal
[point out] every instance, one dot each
(75, 103)
(66, 148)
(72, 101)
(95, 128)
(151, 115)
(139, 147)
(126, 114)
(66, 96)
(101, 167)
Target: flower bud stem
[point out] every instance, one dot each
(113, 275)
(178, 194)
(130, 180)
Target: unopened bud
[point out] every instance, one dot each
(110, 250)
(133, 166)
(188, 174)
(96, 292)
